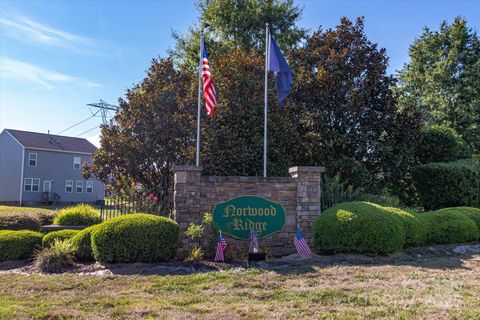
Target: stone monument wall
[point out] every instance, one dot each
(299, 194)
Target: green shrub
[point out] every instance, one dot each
(360, 227)
(56, 258)
(472, 213)
(18, 244)
(449, 226)
(79, 215)
(19, 221)
(450, 184)
(47, 217)
(135, 238)
(24, 218)
(441, 144)
(83, 244)
(415, 229)
(195, 254)
(61, 235)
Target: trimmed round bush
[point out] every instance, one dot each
(79, 215)
(472, 213)
(441, 144)
(359, 227)
(449, 226)
(135, 238)
(60, 235)
(415, 229)
(16, 245)
(82, 242)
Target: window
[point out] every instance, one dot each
(89, 186)
(79, 186)
(32, 159)
(77, 163)
(69, 186)
(31, 184)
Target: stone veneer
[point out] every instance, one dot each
(299, 194)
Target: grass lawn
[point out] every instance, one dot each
(46, 209)
(430, 290)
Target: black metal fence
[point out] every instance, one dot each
(332, 193)
(121, 204)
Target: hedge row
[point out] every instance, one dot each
(129, 238)
(363, 227)
(18, 244)
(448, 184)
(18, 218)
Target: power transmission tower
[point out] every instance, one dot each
(104, 108)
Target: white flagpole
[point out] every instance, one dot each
(265, 129)
(197, 162)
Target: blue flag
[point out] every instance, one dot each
(283, 73)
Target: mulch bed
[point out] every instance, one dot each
(440, 256)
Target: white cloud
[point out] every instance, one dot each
(27, 30)
(48, 79)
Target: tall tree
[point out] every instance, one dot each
(442, 78)
(239, 24)
(233, 138)
(152, 130)
(344, 94)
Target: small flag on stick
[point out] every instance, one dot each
(254, 246)
(303, 249)
(221, 245)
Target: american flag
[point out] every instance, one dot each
(303, 249)
(221, 245)
(209, 93)
(254, 246)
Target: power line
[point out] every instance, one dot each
(76, 124)
(96, 127)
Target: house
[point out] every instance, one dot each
(37, 167)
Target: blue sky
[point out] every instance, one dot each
(57, 56)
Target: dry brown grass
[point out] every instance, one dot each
(436, 288)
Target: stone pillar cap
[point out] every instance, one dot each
(177, 168)
(306, 169)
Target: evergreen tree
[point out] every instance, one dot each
(442, 79)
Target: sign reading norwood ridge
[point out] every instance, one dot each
(238, 216)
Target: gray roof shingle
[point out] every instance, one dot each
(52, 142)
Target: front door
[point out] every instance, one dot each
(47, 186)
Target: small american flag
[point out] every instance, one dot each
(254, 246)
(221, 245)
(303, 249)
(209, 93)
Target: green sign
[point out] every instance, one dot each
(238, 216)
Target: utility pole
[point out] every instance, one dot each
(104, 108)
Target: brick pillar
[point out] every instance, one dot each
(186, 200)
(308, 196)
